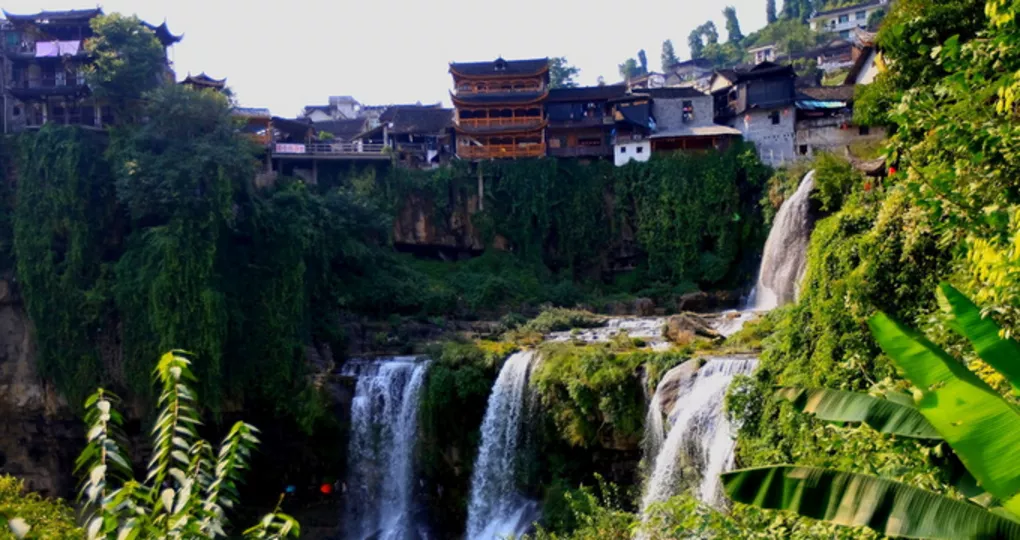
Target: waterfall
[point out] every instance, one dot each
(384, 425)
(700, 443)
(497, 509)
(785, 257)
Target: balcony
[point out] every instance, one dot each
(330, 151)
(492, 123)
(582, 151)
(27, 50)
(588, 121)
(530, 86)
(501, 151)
(48, 84)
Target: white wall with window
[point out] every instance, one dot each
(627, 151)
(841, 21)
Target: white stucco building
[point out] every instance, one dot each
(843, 20)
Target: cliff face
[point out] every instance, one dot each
(420, 223)
(39, 437)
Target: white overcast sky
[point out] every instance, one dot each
(289, 53)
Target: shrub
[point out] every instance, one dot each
(50, 519)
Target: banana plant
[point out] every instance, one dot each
(981, 427)
(188, 486)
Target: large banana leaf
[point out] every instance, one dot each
(983, 334)
(982, 428)
(888, 507)
(886, 416)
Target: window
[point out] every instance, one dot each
(623, 149)
(639, 149)
(861, 15)
(774, 116)
(688, 108)
(864, 130)
(803, 149)
(844, 19)
(845, 34)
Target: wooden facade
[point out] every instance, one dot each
(580, 121)
(500, 108)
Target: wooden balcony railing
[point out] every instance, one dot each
(500, 122)
(469, 90)
(328, 148)
(498, 151)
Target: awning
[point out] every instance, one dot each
(813, 105)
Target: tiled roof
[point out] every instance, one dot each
(766, 69)
(586, 93)
(531, 66)
(696, 131)
(66, 15)
(163, 34)
(421, 120)
(341, 129)
(204, 80)
(674, 93)
(827, 93)
(391, 110)
(847, 9)
(252, 112)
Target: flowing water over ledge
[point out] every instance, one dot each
(384, 426)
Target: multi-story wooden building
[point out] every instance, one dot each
(43, 69)
(580, 121)
(500, 108)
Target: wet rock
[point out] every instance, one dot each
(675, 382)
(644, 307)
(684, 327)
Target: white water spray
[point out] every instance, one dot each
(384, 426)
(497, 509)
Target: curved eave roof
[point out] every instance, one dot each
(163, 34)
(501, 130)
(510, 98)
(457, 74)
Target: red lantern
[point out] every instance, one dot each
(867, 185)
(326, 489)
(892, 171)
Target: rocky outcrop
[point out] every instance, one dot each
(420, 223)
(683, 328)
(39, 437)
(674, 382)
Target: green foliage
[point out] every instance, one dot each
(189, 485)
(893, 413)
(560, 319)
(561, 73)
(643, 60)
(126, 59)
(45, 519)
(594, 393)
(890, 508)
(629, 69)
(702, 36)
(733, 33)
(770, 12)
(64, 212)
(835, 178)
(584, 514)
(788, 35)
(668, 57)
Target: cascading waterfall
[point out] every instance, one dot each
(384, 425)
(497, 509)
(785, 257)
(700, 444)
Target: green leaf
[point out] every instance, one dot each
(983, 334)
(888, 507)
(981, 427)
(885, 415)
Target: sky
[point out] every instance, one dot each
(287, 54)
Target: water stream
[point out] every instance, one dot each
(497, 508)
(384, 425)
(785, 257)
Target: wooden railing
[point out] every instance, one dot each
(497, 151)
(469, 90)
(328, 148)
(500, 122)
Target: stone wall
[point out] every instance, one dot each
(775, 141)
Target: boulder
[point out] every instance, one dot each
(683, 327)
(695, 301)
(644, 307)
(674, 383)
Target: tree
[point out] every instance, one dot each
(669, 57)
(601, 81)
(734, 35)
(189, 485)
(643, 60)
(950, 403)
(770, 11)
(701, 36)
(791, 9)
(630, 69)
(127, 59)
(561, 73)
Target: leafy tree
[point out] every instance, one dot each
(27, 515)
(561, 73)
(189, 484)
(770, 11)
(706, 34)
(875, 19)
(949, 402)
(669, 57)
(127, 59)
(630, 69)
(601, 81)
(643, 60)
(791, 9)
(734, 35)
